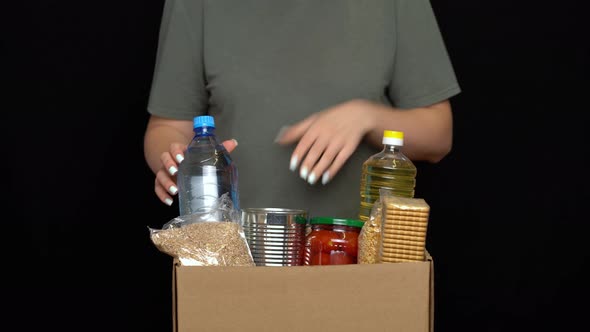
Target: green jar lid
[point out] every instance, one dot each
(336, 221)
(300, 220)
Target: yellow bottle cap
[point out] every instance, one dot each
(392, 137)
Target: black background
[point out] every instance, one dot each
(508, 225)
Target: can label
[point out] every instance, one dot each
(276, 219)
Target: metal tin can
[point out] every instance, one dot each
(276, 236)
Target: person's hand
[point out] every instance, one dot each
(327, 139)
(165, 183)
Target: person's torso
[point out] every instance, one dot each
(270, 63)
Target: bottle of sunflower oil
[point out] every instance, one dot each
(389, 169)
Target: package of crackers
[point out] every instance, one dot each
(404, 225)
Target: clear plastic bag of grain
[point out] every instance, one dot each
(369, 240)
(213, 237)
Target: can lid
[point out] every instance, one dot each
(391, 137)
(203, 121)
(336, 221)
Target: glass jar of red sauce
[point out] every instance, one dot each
(332, 241)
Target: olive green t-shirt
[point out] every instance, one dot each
(257, 65)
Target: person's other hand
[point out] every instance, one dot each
(165, 183)
(327, 139)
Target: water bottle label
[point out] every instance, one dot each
(204, 189)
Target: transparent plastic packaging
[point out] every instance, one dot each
(212, 237)
(404, 226)
(369, 240)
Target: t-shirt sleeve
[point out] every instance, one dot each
(178, 84)
(422, 73)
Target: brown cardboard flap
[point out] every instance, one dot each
(372, 297)
(175, 263)
(429, 259)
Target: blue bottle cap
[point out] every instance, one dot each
(203, 121)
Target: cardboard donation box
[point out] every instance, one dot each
(357, 297)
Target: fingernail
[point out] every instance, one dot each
(235, 141)
(179, 158)
(173, 190)
(293, 164)
(303, 173)
(281, 132)
(311, 178)
(325, 177)
(172, 170)
(168, 201)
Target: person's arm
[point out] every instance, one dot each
(164, 139)
(428, 131)
(164, 143)
(177, 93)
(325, 140)
(422, 81)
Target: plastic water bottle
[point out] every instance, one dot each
(389, 169)
(207, 171)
